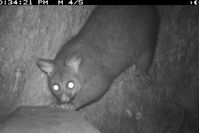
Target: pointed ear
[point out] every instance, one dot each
(47, 66)
(73, 62)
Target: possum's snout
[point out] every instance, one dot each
(66, 98)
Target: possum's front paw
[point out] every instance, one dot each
(67, 106)
(63, 106)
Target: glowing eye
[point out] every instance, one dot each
(71, 84)
(56, 87)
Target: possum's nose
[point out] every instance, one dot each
(66, 98)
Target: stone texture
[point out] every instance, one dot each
(45, 120)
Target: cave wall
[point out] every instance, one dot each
(176, 60)
(170, 104)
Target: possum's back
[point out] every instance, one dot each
(118, 34)
(113, 37)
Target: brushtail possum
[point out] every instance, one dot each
(112, 39)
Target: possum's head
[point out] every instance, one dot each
(64, 79)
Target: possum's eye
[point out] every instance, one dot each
(70, 84)
(56, 87)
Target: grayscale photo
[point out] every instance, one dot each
(99, 69)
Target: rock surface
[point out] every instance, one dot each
(43, 119)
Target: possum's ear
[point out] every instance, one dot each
(73, 62)
(47, 66)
